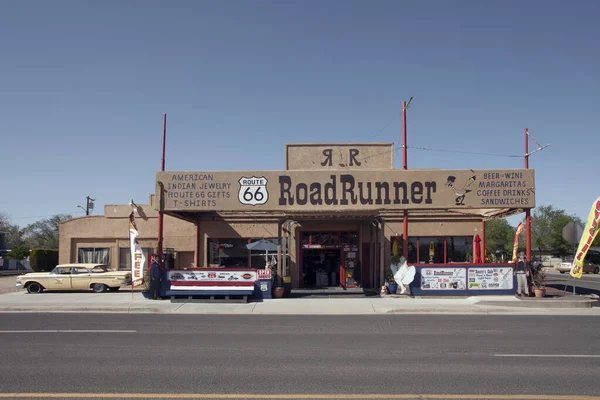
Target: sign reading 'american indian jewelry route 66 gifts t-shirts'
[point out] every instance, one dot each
(344, 190)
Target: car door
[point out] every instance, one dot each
(61, 280)
(80, 278)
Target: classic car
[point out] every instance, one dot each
(98, 277)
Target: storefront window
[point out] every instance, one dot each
(230, 253)
(459, 249)
(431, 250)
(344, 238)
(412, 250)
(258, 258)
(354, 238)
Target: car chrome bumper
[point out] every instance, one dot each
(19, 285)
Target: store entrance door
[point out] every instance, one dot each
(321, 268)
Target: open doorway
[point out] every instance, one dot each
(321, 267)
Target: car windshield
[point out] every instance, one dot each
(100, 268)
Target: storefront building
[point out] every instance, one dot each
(332, 217)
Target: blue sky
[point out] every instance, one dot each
(85, 84)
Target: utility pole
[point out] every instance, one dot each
(89, 205)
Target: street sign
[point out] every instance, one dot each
(572, 232)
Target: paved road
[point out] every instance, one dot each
(588, 284)
(309, 355)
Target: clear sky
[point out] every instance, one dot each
(84, 85)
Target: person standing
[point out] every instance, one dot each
(522, 272)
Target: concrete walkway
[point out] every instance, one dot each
(127, 302)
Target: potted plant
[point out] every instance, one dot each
(391, 283)
(538, 280)
(278, 292)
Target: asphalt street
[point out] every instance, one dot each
(587, 284)
(472, 356)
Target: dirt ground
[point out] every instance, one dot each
(7, 284)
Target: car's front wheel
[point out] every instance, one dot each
(99, 287)
(596, 270)
(562, 272)
(34, 287)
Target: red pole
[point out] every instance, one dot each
(197, 254)
(527, 211)
(160, 213)
(483, 240)
(404, 166)
(404, 155)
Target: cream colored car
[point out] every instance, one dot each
(98, 277)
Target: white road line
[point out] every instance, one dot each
(71, 331)
(550, 355)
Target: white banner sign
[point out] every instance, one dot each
(212, 276)
(137, 255)
(500, 278)
(443, 278)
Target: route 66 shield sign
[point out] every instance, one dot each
(253, 191)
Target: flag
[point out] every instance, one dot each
(137, 255)
(589, 234)
(516, 243)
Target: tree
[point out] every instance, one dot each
(499, 236)
(18, 253)
(13, 236)
(547, 224)
(44, 234)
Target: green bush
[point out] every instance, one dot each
(42, 260)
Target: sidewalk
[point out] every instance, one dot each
(127, 302)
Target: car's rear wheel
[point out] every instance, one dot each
(34, 287)
(562, 272)
(596, 270)
(99, 287)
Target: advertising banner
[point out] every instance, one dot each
(213, 275)
(137, 255)
(589, 234)
(499, 278)
(443, 278)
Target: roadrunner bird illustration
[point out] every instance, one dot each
(462, 192)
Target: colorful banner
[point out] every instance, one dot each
(516, 243)
(137, 255)
(589, 234)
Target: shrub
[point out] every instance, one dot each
(42, 260)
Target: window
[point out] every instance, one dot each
(234, 253)
(229, 253)
(79, 270)
(431, 250)
(125, 257)
(425, 250)
(99, 269)
(459, 249)
(93, 255)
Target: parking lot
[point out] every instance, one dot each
(7, 284)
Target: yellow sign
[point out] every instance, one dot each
(589, 234)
